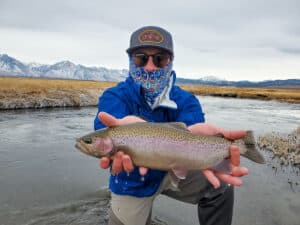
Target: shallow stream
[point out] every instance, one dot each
(45, 180)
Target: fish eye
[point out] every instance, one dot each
(87, 140)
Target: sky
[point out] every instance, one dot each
(233, 40)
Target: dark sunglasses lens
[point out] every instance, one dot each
(140, 59)
(161, 60)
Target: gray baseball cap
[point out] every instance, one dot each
(151, 36)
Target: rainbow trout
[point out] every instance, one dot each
(165, 146)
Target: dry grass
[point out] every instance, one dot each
(16, 93)
(40, 85)
(291, 95)
(48, 92)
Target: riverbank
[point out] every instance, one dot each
(289, 95)
(284, 147)
(25, 93)
(18, 93)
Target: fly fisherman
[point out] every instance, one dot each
(149, 94)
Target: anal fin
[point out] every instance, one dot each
(223, 166)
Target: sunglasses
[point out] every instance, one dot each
(160, 60)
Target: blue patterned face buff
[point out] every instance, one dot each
(153, 83)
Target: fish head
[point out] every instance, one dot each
(97, 144)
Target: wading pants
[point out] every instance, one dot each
(215, 206)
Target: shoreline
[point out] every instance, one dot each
(284, 148)
(35, 93)
(287, 95)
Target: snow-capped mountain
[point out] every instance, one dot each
(67, 70)
(10, 66)
(211, 78)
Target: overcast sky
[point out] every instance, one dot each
(235, 40)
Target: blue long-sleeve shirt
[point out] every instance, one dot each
(126, 99)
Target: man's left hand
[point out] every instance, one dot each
(236, 171)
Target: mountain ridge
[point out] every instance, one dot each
(10, 66)
(66, 69)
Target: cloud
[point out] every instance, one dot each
(222, 37)
(290, 50)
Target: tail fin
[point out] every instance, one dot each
(251, 152)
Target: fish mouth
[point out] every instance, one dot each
(81, 146)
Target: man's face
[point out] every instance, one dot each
(151, 58)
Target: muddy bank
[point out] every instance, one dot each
(284, 147)
(49, 99)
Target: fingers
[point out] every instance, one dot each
(208, 129)
(117, 165)
(229, 179)
(209, 174)
(130, 119)
(234, 155)
(233, 179)
(104, 162)
(236, 171)
(107, 119)
(121, 162)
(234, 134)
(239, 171)
(204, 128)
(143, 170)
(127, 163)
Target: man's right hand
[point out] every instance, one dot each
(121, 161)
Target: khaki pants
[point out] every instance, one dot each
(195, 189)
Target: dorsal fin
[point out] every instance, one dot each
(177, 125)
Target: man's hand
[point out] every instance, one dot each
(236, 171)
(121, 161)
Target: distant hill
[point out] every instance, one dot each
(10, 66)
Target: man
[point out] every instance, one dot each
(149, 94)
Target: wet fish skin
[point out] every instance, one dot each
(165, 146)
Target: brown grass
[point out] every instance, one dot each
(291, 95)
(12, 88)
(41, 85)
(18, 93)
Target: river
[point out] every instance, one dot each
(45, 180)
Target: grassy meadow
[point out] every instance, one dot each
(290, 95)
(41, 85)
(16, 92)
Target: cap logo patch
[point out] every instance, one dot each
(150, 36)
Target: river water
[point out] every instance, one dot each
(45, 180)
